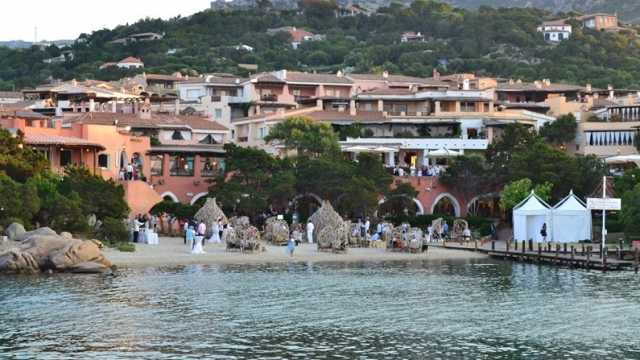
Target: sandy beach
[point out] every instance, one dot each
(172, 251)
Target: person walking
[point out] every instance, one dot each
(129, 175)
(543, 232)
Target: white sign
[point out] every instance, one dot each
(604, 204)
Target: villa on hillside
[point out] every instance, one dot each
(298, 36)
(555, 31)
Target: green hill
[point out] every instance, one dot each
(500, 42)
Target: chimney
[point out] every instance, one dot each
(436, 74)
(519, 81)
(538, 84)
(588, 88)
(339, 74)
(385, 74)
(547, 82)
(511, 82)
(466, 85)
(596, 96)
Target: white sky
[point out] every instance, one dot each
(66, 19)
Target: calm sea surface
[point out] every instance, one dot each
(418, 310)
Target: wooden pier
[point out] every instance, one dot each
(583, 256)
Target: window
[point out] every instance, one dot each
(466, 106)
(193, 93)
(65, 158)
(181, 165)
(296, 92)
(209, 140)
(263, 132)
(103, 161)
(210, 166)
(218, 114)
(177, 135)
(156, 165)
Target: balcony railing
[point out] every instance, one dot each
(269, 97)
(243, 138)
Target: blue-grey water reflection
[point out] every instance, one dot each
(436, 310)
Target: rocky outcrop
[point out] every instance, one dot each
(40, 253)
(15, 231)
(45, 231)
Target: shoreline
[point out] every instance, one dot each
(173, 252)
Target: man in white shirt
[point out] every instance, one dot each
(310, 228)
(367, 226)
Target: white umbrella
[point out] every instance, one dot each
(444, 153)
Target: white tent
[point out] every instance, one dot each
(443, 153)
(528, 218)
(571, 220)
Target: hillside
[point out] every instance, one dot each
(628, 10)
(499, 42)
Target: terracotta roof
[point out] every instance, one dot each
(560, 22)
(267, 78)
(388, 91)
(20, 113)
(345, 116)
(43, 139)
(397, 79)
(294, 76)
(541, 88)
(10, 95)
(155, 121)
(130, 59)
(162, 77)
(298, 35)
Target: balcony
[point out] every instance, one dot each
(269, 98)
(420, 143)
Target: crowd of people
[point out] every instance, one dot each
(195, 234)
(426, 170)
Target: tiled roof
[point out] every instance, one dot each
(43, 139)
(267, 78)
(397, 79)
(541, 87)
(10, 95)
(20, 113)
(162, 77)
(560, 22)
(130, 59)
(294, 76)
(155, 121)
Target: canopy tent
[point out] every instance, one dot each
(443, 153)
(528, 218)
(624, 159)
(571, 220)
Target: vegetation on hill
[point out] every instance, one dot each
(499, 42)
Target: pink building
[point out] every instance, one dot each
(173, 156)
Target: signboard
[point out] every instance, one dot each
(604, 204)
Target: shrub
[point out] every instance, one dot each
(113, 231)
(126, 247)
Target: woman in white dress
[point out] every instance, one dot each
(215, 235)
(197, 246)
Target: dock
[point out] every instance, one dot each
(584, 256)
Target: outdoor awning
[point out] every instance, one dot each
(624, 159)
(357, 149)
(443, 153)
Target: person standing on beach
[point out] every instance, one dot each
(202, 231)
(367, 226)
(136, 228)
(189, 236)
(310, 228)
(291, 246)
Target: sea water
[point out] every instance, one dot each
(477, 309)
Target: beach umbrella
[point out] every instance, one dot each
(444, 153)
